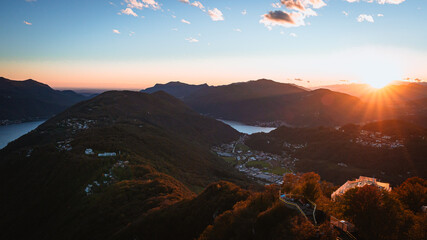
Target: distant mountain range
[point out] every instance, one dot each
(177, 89)
(395, 93)
(265, 102)
(30, 100)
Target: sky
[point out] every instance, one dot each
(134, 44)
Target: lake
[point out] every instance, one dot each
(11, 132)
(243, 128)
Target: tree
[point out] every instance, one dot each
(376, 213)
(413, 193)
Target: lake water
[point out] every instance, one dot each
(11, 132)
(243, 128)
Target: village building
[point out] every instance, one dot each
(89, 151)
(360, 182)
(107, 154)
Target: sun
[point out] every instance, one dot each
(379, 83)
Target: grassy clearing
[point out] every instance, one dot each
(242, 147)
(258, 164)
(279, 170)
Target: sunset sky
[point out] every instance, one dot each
(136, 43)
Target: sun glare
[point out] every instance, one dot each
(379, 83)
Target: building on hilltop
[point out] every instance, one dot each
(360, 182)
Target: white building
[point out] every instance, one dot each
(89, 151)
(362, 181)
(107, 154)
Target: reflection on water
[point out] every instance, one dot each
(246, 128)
(9, 133)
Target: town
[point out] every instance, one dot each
(266, 168)
(377, 139)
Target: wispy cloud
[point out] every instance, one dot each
(380, 15)
(276, 5)
(244, 12)
(237, 30)
(216, 14)
(116, 31)
(27, 23)
(293, 35)
(185, 21)
(192, 40)
(198, 5)
(378, 1)
(364, 17)
(140, 4)
(345, 13)
(129, 11)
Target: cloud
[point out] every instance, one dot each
(140, 4)
(31, 0)
(131, 33)
(216, 14)
(293, 35)
(244, 12)
(27, 23)
(315, 3)
(380, 15)
(198, 5)
(379, 1)
(276, 5)
(237, 30)
(129, 11)
(192, 40)
(364, 17)
(282, 18)
(293, 4)
(116, 31)
(300, 10)
(345, 13)
(175, 29)
(185, 21)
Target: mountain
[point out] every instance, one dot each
(394, 94)
(262, 101)
(354, 89)
(176, 89)
(159, 155)
(266, 102)
(29, 100)
(397, 94)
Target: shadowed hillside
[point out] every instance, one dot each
(30, 100)
(162, 155)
